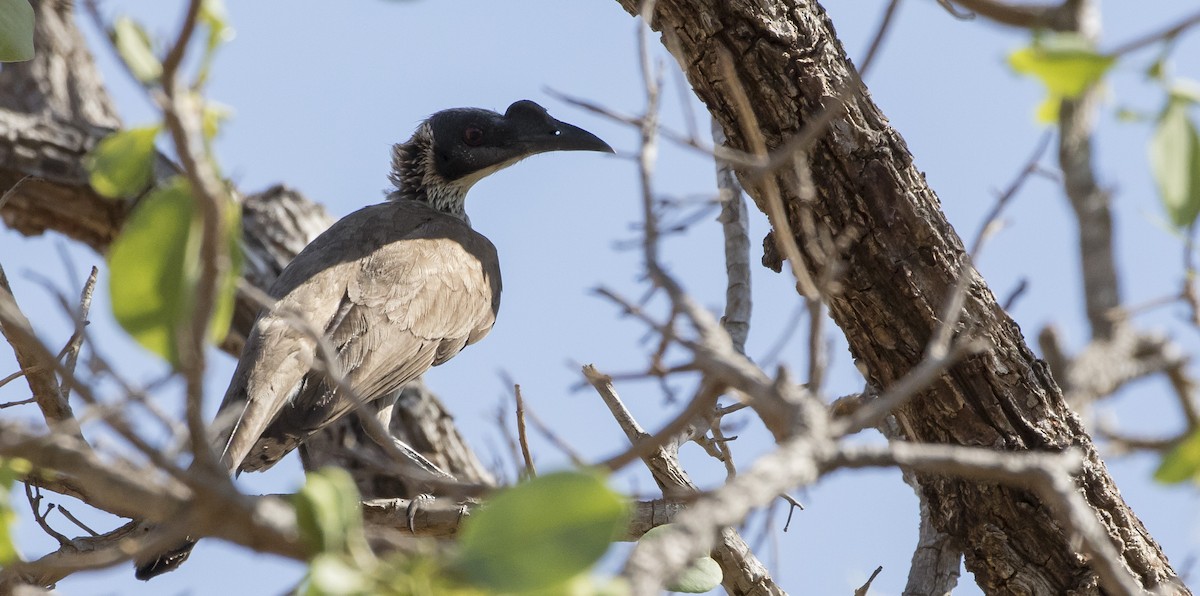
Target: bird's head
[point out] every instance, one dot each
(454, 149)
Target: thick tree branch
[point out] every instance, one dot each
(896, 278)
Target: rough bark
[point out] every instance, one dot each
(895, 278)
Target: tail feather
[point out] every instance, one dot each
(165, 561)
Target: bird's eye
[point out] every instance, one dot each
(473, 136)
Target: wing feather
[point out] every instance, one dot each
(396, 288)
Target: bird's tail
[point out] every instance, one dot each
(164, 561)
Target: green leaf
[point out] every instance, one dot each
(1186, 90)
(216, 20)
(154, 267)
(212, 115)
(329, 512)
(703, 575)
(16, 30)
(1175, 162)
(1047, 110)
(10, 471)
(121, 165)
(1182, 463)
(134, 46)
(1065, 63)
(540, 533)
(226, 299)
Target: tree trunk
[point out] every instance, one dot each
(897, 270)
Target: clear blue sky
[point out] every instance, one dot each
(320, 93)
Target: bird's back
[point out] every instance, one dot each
(393, 289)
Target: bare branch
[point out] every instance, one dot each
(1167, 34)
(530, 470)
(742, 570)
(38, 373)
(862, 591)
(1026, 16)
(71, 350)
(734, 226)
(181, 117)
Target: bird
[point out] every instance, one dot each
(394, 288)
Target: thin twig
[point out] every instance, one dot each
(15, 328)
(16, 403)
(1166, 34)
(862, 591)
(8, 194)
(67, 514)
(1025, 16)
(952, 310)
(917, 379)
(182, 121)
(34, 495)
(885, 25)
(530, 470)
(328, 363)
(81, 320)
(557, 441)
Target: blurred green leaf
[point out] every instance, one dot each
(333, 575)
(216, 20)
(329, 512)
(1182, 463)
(1065, 63)
(226, 299)
(1186, 90)
(1175, 162)
(10, 470)
(154, 268)
(134, 46)
(540, 533)
(121, 164)
(16, 30)
(212, 116)
(1157, 70)
(702, 575)
(1130, 115)
(1047, 110)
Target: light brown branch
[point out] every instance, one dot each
(38, 372)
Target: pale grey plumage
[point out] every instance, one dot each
(409, 288)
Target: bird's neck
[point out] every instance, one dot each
(416, 179)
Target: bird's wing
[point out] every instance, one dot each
(409, 297)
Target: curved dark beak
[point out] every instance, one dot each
(536, 131)
(568, 137)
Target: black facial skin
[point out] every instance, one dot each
(471, 140)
